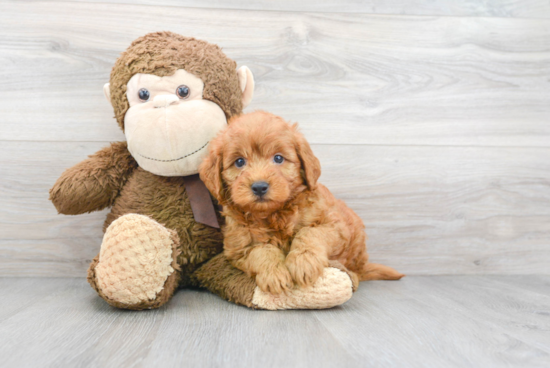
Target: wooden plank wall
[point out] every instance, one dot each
(431, 118)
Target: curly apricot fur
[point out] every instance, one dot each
(298, 226)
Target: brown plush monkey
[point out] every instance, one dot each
(171, 95)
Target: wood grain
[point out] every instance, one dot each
(471, 8)
(347, 78)
(434, 129)
(428, 210)
(444, 322)
(416, 322)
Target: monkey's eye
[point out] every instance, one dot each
(278, 159)
(240, 162)
(143, 94)
(182, 91)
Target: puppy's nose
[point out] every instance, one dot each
(259, 188)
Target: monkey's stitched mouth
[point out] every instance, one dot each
(175, 159)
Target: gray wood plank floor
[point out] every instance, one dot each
(451, 321)
(430, 119)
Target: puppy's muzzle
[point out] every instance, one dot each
(259, 188)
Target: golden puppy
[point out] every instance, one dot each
(281, 225)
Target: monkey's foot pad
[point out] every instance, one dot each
(136, 259)
(335, 287)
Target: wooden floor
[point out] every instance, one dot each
(430, 119)
(421, 321)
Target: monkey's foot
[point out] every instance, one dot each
(136, 267)
(333, 288)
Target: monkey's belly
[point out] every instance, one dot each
(165, 200)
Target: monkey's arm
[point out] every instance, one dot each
(94, 183)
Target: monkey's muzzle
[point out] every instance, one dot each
(165, 100)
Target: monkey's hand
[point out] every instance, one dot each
(94, 183)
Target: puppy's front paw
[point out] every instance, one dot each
(275, 280)
(305, 267)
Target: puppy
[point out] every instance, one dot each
(282, 227)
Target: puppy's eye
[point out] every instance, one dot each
(278, 159)
(240, 162)
(182, 91)
(143, 94)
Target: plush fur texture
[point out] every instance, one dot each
(151, 215)
(320, 296)
(166, 134)
(287, 236)
(161, 54)
(165, 200)
(137, 265)
(95, 183)
(170, 286)
(112, 177)
(220, 277)
(334, 288)
(135, 259)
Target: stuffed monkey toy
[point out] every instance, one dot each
(171, 95)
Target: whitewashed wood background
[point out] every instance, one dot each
(430, 118)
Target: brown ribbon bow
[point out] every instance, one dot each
(201, 202)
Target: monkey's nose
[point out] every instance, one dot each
(259, 188)
(164, 100)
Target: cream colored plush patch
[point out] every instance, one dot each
(135, 259)
(332, 289)
(169, 135)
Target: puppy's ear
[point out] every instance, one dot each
(311, 168)
(210, 170)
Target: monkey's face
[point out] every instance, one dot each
(169, 125)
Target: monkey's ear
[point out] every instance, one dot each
(311, 167)
(246, 81)
(107, 91)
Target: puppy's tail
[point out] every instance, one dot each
(375, 271)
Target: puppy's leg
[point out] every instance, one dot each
(308, 254)
(266, 262)
(257, 259)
